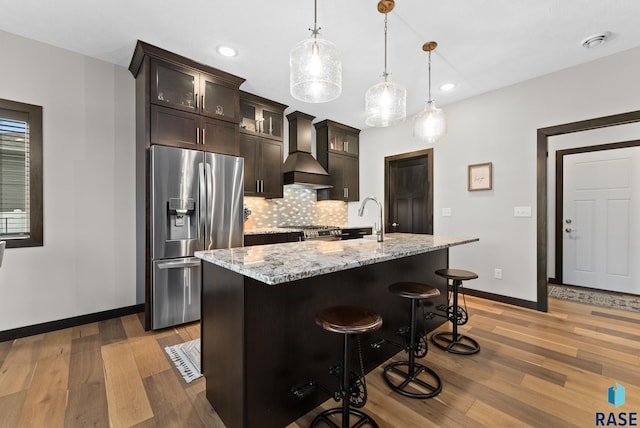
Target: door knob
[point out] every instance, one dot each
(568, 230)
(395, 224)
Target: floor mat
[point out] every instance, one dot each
(186, 357)
(595, 297)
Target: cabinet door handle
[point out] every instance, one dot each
(346, 146)
(196, 95)
(203, 136)
(203, 106)
(257, 186)
(197, 135)
(261, 186)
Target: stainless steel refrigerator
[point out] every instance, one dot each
(196, 203)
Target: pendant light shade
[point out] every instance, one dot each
(430, 124)
(386, 101)
(385, 104)
(315, 68)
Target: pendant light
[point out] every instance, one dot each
(431, 123)
(386, 101)
(315, 68)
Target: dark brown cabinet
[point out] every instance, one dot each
(337, 151)
(261, 131)
(355, 232)
(182, 103)
(271, 238)
(186, 89)
(177, 128)
(261, 117)
(262, 166)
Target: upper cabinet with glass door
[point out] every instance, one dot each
(187, 89)
(338, 137)
(261, 116)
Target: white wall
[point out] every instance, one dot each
(87, 263)
(500, 127)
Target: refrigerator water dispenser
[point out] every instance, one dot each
(181, 225)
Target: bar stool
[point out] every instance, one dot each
(451, 341)
(347, 320)
(416, 292)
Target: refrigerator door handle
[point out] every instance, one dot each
(203, 203)
(192, 262)
(208, 230)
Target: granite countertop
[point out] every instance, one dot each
(270, 230)
(279, 263)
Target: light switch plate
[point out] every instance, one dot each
(522, 211)
(446, 212)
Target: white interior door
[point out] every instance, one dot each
(601, 225)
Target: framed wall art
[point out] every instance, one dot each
(480, 176)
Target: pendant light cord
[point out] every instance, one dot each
(429, 100)
(385, 74)
(315, 29)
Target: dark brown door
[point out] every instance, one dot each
(271, 168)
(217, 100)
(409, 192)
(351, 178)
(249, 146)
(336, 174)
(176, 128)
(220, 137)
(174, 86)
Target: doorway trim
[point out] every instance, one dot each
(542, 152)
(558, 279)
(428, 153)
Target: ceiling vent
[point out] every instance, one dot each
(595, 40)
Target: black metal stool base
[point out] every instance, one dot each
(365, 420)
(463, 345)
(435, 384)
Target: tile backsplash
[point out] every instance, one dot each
(298, 207)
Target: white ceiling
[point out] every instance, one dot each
(483, 45)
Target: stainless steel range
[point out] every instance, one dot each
(315, 232)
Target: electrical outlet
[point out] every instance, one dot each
(446, 212)
(522, 211)
(497, 273)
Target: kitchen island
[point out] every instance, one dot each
(259, 337)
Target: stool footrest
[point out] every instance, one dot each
(410, 384)
(463, 345)
(364, 419)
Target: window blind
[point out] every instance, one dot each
(14, 174)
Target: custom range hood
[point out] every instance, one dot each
(301, 169)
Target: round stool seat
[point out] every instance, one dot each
(456, 274)
(348, 319)
(413, 290)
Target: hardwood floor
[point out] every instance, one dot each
(534, 369)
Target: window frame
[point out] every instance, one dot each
(36, 227)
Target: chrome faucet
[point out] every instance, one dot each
(379, 229)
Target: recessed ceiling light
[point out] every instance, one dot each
(595, 40)
(447, 86)
(226, 50)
